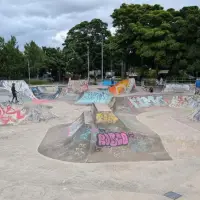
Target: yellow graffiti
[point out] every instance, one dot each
(106, 117)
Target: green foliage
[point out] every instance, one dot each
(37, 82)
(147, 36)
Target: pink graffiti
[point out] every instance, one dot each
(8, 114)
(112, 139)
(40, 101)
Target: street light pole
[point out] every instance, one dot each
(29, 73)
(88, 55)
(102, 57)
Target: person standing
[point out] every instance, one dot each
(14, 93)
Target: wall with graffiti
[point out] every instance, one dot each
(77, 86)
(147, 101)
(125, 86)
(95, 97)
(20, 86)
(177, 87)
(11, 115)
(185, 102)
(106, 117)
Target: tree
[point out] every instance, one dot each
(54, 61)
(77, 41)
(34, 57)
(12, 61)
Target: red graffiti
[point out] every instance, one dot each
(112, 139)
(8, 114)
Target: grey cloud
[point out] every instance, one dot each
(47, 21)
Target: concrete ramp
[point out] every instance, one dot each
(77, 86)
(21, 87)
(16, 114)
(124, 86)
(101, 138)
(91, 97)
(178, 88)
(41, 95)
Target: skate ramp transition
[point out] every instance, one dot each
(99, 96)
(38, 92)
(15, 114)
(20, 85)
(124, 86)
(100, 136)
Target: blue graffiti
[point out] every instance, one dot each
(95, 97)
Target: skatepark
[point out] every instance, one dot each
(78, 141)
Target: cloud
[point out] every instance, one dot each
(48, 21)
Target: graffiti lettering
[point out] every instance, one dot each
(106, 117)
(142, 102)
(79, 151)
(77, 86)
(9, 114)
(86, 134)
(95, 97)
(112, 139)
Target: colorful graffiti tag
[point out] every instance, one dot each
(9, 115)
(147, 101)
(112, 139)
(123, 86)
(77, 86)
(95, 97)
(106, 117)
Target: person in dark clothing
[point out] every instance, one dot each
(14, 93)
(151, 90)
(112, 80)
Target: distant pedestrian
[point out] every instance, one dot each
(14, 93)
(112, 80)
(151, 90)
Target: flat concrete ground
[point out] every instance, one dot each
(27, 175)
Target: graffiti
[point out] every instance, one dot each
(95, 97)
(85, 135)
(176, 87)
(10, 115)
(106, 117)
(77, 86)
(112, 139)
(79, 151)
(75, 125)
(142, 102)
(123, 86)
(179, 102)
(131, 85)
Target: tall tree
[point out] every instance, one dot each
(79, 38)
(34, 57)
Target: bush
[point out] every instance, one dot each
(37, 82)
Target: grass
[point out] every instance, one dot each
(37, 82)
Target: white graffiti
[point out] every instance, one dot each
(131, 85)
(148, 101)
(20, 86)
(176, 87)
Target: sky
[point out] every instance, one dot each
(47, 21)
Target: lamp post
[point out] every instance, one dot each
(29, 73)
(88, 58)
(102, 57)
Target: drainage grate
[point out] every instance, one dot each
(172, 195)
